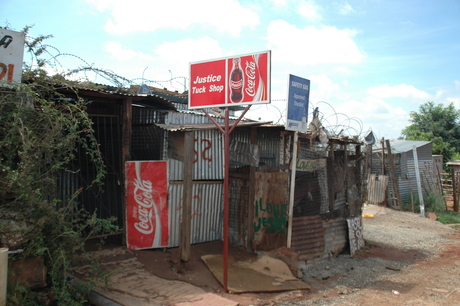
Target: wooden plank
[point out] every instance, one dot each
(186, 222)
(127, 128)
(271, 204)
(393, 176)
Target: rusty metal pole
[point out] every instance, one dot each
(226, 185)
(226, 131)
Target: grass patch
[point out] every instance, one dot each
(448, 217)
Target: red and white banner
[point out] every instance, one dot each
(147, 213)
(241, 79)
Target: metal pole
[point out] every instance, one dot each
(419, 184)
(226, 183)
(226, 131)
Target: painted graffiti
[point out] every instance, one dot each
(310, 165)
(196, 209)
(205, 155)
(272, 217)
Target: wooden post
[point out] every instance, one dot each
(383, 155)
(291, 193)
(359, 173)
(394, 179)
(186, 222)
(251, 200)
(330, 175)
(454, 188)
(126, 133)
(369, 160)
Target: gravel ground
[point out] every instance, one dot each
(406, 239)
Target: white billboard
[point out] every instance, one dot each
(11, 56)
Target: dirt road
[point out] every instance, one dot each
(408, 260)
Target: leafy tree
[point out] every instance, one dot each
(438, 124)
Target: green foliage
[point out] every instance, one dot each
(434, 202)
(438, 124)
(40, 132)
(449, 217)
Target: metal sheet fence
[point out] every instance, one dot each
(207, 212)
(208, 163)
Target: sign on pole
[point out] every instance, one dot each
(11, 55)
(147, 213)
(297, 104)
(241, 79)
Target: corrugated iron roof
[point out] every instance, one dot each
(401, 146)
(204, 126)
(98, 95)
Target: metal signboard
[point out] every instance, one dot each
(297, 104)
(11, 55)
(147, 213)
(242, 79)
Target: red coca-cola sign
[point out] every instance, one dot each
(242, 79)
(147, 213)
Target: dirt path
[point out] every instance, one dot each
(408, 260)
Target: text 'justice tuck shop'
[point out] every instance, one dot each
(240, 79)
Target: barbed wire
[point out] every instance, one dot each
(337, 124)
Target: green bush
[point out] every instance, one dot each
(40, 132)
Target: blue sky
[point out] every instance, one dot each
(370, 62)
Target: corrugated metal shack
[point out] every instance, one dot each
(405, 169)
(328, 190)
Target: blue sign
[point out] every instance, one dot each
(297, 104)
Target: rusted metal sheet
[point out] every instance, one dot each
(271, 198)
(207, 209)
(268, 150)
(308, 237)
(245, 153)
(336, 236)
(208, 162)
(377, 189)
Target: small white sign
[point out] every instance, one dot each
(11, 56)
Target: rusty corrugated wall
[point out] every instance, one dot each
(308, 237)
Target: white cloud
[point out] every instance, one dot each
(373, 113)
(117, 51)
(311, 45)
(310, 10)
(189, 50)
(455, 100)
(322, 88)
(227, 16)
(345, 9)
(457, 84)
(402, 91)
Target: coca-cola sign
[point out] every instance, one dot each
(147, 214)
(242, 79)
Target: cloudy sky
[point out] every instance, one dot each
(370, 62)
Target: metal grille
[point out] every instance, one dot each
(105, 200)
(147, 142)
